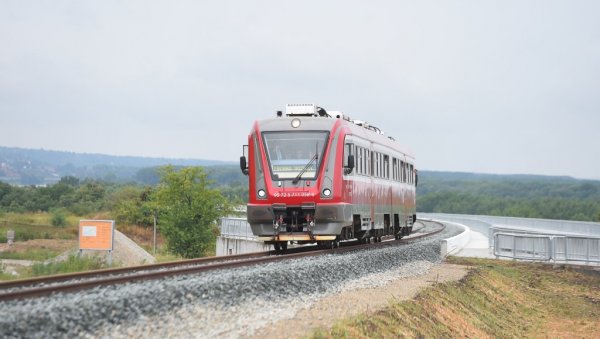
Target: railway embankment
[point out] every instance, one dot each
(220, 303)
(497, 298)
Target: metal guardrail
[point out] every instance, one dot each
(235, 228)
(543, 225)
(547, 247)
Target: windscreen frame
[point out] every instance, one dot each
(299, 163)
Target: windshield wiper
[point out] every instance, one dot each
(297, 178)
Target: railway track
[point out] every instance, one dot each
(45, 286)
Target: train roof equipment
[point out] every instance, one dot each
(312, 110)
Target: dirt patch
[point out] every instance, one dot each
(23, 254)
(568, 328)
(326, 312)
(58, 245)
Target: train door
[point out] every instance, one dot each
(388, 176)
(372, 189)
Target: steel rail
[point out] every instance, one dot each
(157, 271)
(124, 270)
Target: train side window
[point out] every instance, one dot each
(362, 161)
(368, 164)
(411, 173)
(347, 152)
(372, 162)
(386, 166)
(403, 171)
(358, 158)
(256, 154)
(399, 172)
(376, 163)
(374, 154)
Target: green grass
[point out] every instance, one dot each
(4, 275)
(72, 264)
(39, 254)
(29, 226)
(38, 218)
(29, 232)
(496, 299)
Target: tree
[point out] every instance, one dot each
(130, 205)
(188, 210)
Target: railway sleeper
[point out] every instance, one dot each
(280, 246)
(329, 244)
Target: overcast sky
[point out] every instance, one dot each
(476, 86)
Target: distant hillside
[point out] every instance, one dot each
(513, 185)
(535, 196)
(21, 166)
(532, 196)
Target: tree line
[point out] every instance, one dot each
(509, 195)
(185, 201)
(188, 200)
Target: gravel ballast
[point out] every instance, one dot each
(222, 303)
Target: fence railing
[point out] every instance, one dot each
(547, 247)
(235, 228)
(544, 225)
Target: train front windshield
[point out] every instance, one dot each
(293, 153)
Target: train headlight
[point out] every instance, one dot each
(262, 193)
(296, 123)
(327, 192)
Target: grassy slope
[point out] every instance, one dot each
(496, 299)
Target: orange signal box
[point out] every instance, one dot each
(96, 234)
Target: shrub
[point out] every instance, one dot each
(58, 218)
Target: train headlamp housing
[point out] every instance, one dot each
(261, 193)
(296, 123)
(326, 193)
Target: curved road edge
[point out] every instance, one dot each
(456, 243)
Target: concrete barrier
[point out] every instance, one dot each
(456, 243)
(230, 245)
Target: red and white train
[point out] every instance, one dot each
(318, 177)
